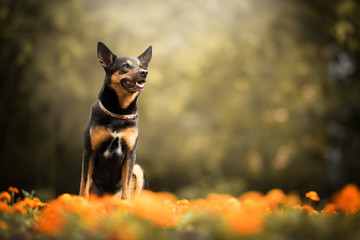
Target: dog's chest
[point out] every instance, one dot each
(100, 134)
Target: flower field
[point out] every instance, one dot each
(253, 215)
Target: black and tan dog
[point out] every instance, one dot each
(111, 135)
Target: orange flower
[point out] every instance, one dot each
(245, 224)
(73, 203)
(348, 199)
(27, 202)
(13, 189)
(38, 203)
(275, 197)
(4, 225)
(313, 196)
(232, 205)
(53, 218)
(247, 220)
(18, 208)
(201, 205)
(6, 196)
(330, 208)
(253, 197)
(309, 209)
(4, 207)
(51, 221)
(156, 208)
(90, 211)
(217, 202)
(183, 204)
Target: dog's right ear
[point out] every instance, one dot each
(106, 57)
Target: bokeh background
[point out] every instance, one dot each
(242, 94)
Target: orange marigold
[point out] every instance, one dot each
(275, 197)
(183, 203)
(232, 205)
(6, 196)
(330, 208)
(4, 225)
(348, 199)
(38, 203)
(309, 209)
(4, 207)
(247, 220)
(18, 208)
(13, 189)
(27, 202)
(246, 225)
(313, 196)
(156, 208)
(255, 198)
(51, 222)
(216, 202)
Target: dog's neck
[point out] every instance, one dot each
(110, 100)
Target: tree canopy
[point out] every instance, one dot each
(241, 94)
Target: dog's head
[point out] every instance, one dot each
(124, 73)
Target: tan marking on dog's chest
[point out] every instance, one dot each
(124, 97)
(100, 134)
(129, 135)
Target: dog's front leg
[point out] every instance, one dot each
(126, 170)
(125, 179)
(86, 174)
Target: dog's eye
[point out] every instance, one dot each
(141, 66)
(126, 66)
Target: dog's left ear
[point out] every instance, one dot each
(145, 57)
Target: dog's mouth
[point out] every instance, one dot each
(135, 85)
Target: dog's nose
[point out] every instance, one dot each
(143, 73)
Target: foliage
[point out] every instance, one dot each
(242, 95)
(253, 215)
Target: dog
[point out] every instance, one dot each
(111, 135)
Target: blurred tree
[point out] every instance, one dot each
(21, 25)
(342, 89)
(241, 94)
(39, 43)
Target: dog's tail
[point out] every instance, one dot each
(138, 181)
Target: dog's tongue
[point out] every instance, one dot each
(140, 84)
(136, 84)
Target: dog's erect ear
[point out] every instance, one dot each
(106, 57)
(145, 57)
